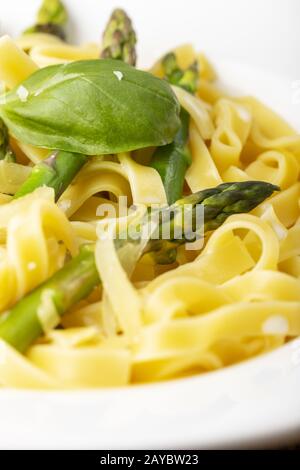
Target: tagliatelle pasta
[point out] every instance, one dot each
(15, 64)
(40, 226)
(233, 123)
(203, 172)
(50, 54)
(97, 175)
(233, 298)
(12, 175)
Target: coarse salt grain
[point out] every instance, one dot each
(64, 205)
(243, 113)
(22, 93)
(118, 74)
(31, 266)
(276, 325)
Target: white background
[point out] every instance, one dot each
(263, 33)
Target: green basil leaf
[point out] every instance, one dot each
(86, 107)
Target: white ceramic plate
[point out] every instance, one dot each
(253, 404)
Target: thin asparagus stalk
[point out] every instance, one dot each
(51, 19)
(172, 160)
(119, 38)
(68, 286)
(21, 325)
(56, 171)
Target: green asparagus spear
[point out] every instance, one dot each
(119, 38)
(172, 160)
(56, 172)
(69, 285)
(186, 79)
(51, 19)
(21, 326)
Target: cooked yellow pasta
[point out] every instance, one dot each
(15, 64)
(60, 53)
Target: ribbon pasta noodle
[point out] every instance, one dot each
(236, 297)
(41, 226)
(51, 54)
